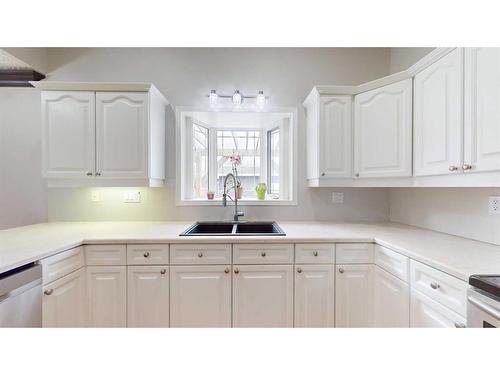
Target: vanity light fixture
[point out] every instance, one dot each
(237, 98)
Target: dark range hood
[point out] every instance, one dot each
(19, 77)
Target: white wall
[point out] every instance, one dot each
(185, 76)
(459, 211)
(37, 58)
(402, 58)
(23, 193)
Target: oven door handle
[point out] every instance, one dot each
(483, 306)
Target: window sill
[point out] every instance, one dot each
(241, 202)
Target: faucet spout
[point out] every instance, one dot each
(237, 213)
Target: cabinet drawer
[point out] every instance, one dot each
(352, 253)
(314, 253)
(445, 289)
(62, 264)
(263, 254)
(427, 313)
(392, 262)
(106, 255)
(147, 254)
(200, 254)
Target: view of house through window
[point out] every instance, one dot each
(255, 147)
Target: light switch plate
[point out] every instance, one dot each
(494, 205)
(132, 197)
(337, 197)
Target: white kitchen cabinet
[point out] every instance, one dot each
(329, 135)
(427, 313)
(438, 112)
(315, 296)
(103, 134)
(263, 296)
(107, 296)
(383, 131)
(68, 135)
(200, 296)
(122, 134)
(391, 300)
(354, 296)
(147, 296)
(64, 301)
(482, 110)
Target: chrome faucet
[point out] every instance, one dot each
(237, 213)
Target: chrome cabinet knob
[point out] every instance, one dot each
(466, 167)
(226, 270)
(48, 292)
(163, 271)
(263, 254)
(356, 174)
(434, 285)
(460, 325)
(146, 254)
(315, 253)
(452, 168)
(98, 173)
(323, 174)
(89, 173)
(299, 270)
(200, 255)
(341, 270)
(236, 271)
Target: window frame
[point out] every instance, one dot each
(288, 175)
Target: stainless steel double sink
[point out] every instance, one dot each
(234, 228)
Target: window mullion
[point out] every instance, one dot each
(212, 157)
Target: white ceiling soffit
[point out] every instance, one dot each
(7, 61)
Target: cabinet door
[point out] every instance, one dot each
(107, 296)
(427, 313)
(68, 139)
(354, 296)
(314, 296)
(122, 134)
(383, 131)
(147, 296)
(263, 296)
(438, 116)
(335, 136)
(200, 296)
(482, 109)
(64, 301)
(391, 302)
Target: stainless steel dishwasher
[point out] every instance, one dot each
(21, 297)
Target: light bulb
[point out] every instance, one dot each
(261, 99)
(213, 97)
(237, 98)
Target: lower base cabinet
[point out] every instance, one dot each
(263, 296)
(200, 296)
(354, 296)
(63, 303)
(427, 313)
(314, 296)
(148, 296)
(391, 300)
(107, 296)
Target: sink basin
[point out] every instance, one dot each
(224, 228)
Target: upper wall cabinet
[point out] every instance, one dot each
(383, 131)
(329, 136)
(438, 116)
(482, 110)
(103, 134)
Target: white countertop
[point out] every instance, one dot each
(457, 256)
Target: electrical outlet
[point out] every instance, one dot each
(94, 196)
(337, 197)
(132, 197)
(494, 205)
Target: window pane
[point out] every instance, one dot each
(247, 144)
(274, 162)
(200, 161)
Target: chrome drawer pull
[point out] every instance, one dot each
(146, 254)
(459, 325)
(200, 255)
(163, 271)
(315, 253)
(263, 254)
(226, 270)
(435, 285)
(48, 292)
